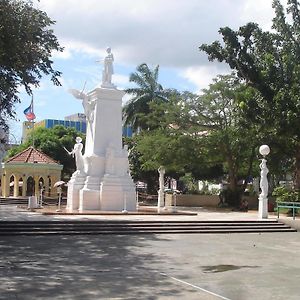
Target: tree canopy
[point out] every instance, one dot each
(201, 134)
(148, 90)
(26, 46)
(268, 61)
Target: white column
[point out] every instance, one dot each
(264, 150)
(161, 171)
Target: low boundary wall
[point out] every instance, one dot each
(210, 200)
(192, 200)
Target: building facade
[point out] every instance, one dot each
(76, 121)
(27, 172)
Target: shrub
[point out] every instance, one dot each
(283, 194)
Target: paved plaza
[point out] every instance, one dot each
(152, 266)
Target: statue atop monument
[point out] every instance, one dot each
(108, 69)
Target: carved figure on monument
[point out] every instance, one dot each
(109, 161)
(77, 152)
(87, 103)
(123, 163)
(263, 178)
(108, 68)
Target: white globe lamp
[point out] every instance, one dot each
(264, 150)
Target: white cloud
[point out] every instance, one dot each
(165, 32)
(121, 81)
(66, 54)
(201, 76)
(259, 12)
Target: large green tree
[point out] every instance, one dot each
(268, 61)
(52, 141)
(198, 134)
(148, 90)
(26, 45)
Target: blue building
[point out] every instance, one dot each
(76, 121)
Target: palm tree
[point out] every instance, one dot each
(148, 90)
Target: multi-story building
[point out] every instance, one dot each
(77, 121)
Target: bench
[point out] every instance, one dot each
(292, 205)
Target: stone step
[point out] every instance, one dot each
(122, 232)
(148, 227)
(126, 227)
(132, 222)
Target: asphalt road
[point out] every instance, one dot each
(207, 266)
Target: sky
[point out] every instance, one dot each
(167, 33)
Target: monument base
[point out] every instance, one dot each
(117, 194)
(75, 184)
(89, 200)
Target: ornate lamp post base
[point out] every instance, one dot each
(262, 207)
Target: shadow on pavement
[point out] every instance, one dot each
(80, 267)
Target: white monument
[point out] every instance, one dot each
(264, 150)
(104, 180)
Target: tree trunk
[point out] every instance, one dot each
(297, 170)
(251, 159)
(232, 195)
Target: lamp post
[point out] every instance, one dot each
(161, 171)
(41, 197)
(137, 200)
(59, 192)
(264, 150)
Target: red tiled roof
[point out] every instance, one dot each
(31, 155)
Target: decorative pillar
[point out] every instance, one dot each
(36, 186)
(6, 185)
(160, 202)
(24, 187)
(264, 150)
(16, 186)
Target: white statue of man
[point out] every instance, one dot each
(77, 152)
(263, 177)
(108, 68)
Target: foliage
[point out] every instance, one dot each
(269, 62)
(284, 194)
(148, 90)
(26, 45)
(51, 141)
(136, 170)
(202, 135)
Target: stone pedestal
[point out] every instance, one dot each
(117, 193)
(75, 184)
(262, 207)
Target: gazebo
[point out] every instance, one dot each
(26, 172)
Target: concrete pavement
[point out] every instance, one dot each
(157, 266)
